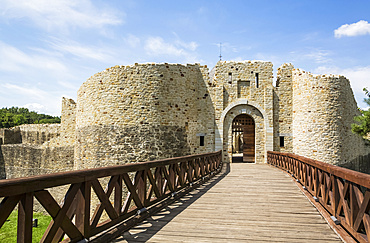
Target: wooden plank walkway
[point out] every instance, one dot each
(252, 203)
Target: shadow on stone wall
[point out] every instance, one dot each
(106, 145)
(2, 165)
(360, 164)
(276, 121)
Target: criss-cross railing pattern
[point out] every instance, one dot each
(344, 193)
(131, 188)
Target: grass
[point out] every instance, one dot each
(8, 233)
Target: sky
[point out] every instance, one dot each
(48, 48)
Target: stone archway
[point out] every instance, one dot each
(243, 135)
(263, 129)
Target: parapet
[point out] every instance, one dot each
(35, 134)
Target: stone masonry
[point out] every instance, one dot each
(141, 112)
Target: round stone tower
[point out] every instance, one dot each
(139, 113)
(323, 110)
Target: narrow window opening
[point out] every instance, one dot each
(278, 82)
(281, 141)
(230, 78)
(201, 140)
(257, 84)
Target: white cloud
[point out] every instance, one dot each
(227, 47)
(319, 56)
(276, 60)
(362, 27)
(68, 85)
(60, 14)
(192, 46)
(228, 50)
(35, 107)
(13, 59)
(156, 46)
(311, 54)
(26, 91)
(132, 40)
(33, 98)
(82, 51)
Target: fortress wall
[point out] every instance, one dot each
(28, 150)
(22, 160)
(29, 134)
(68, 123)
(67, 127)
(10, 135)
(283, 107)
(142, 112)
(323, 111)
(203, 116)
(38, 133)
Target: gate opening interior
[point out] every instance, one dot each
(243, 139)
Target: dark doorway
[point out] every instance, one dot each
(243, 128)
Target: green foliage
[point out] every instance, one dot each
(8, 233)
(362, 127)
(14, 116)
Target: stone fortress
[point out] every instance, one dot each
(142, 112)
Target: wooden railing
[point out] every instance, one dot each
(131, 190)
(343, 193)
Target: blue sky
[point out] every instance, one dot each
(48, 48)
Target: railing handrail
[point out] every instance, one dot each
(341, 195)
(139, 189)
(10, 187)
(359, 178)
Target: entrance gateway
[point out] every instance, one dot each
(243, 129)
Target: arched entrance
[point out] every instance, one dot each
(243, 135)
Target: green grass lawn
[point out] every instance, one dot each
(8, 233)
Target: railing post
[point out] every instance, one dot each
(219, 159)
(141, 187)
(316, 182)
(190, 170)
(118, 195)
(171, 177)
(335, 196)
(83, 209)
(25, 213)
(159, 180)
(182, 173)
(353, 205)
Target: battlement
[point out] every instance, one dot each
(299, 72)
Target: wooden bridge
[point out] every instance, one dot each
(195, 199)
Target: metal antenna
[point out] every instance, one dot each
(220, 51)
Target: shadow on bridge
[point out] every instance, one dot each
(152, 225)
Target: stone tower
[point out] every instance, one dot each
(143, 112)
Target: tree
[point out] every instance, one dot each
(14, 116)
(362, 127)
